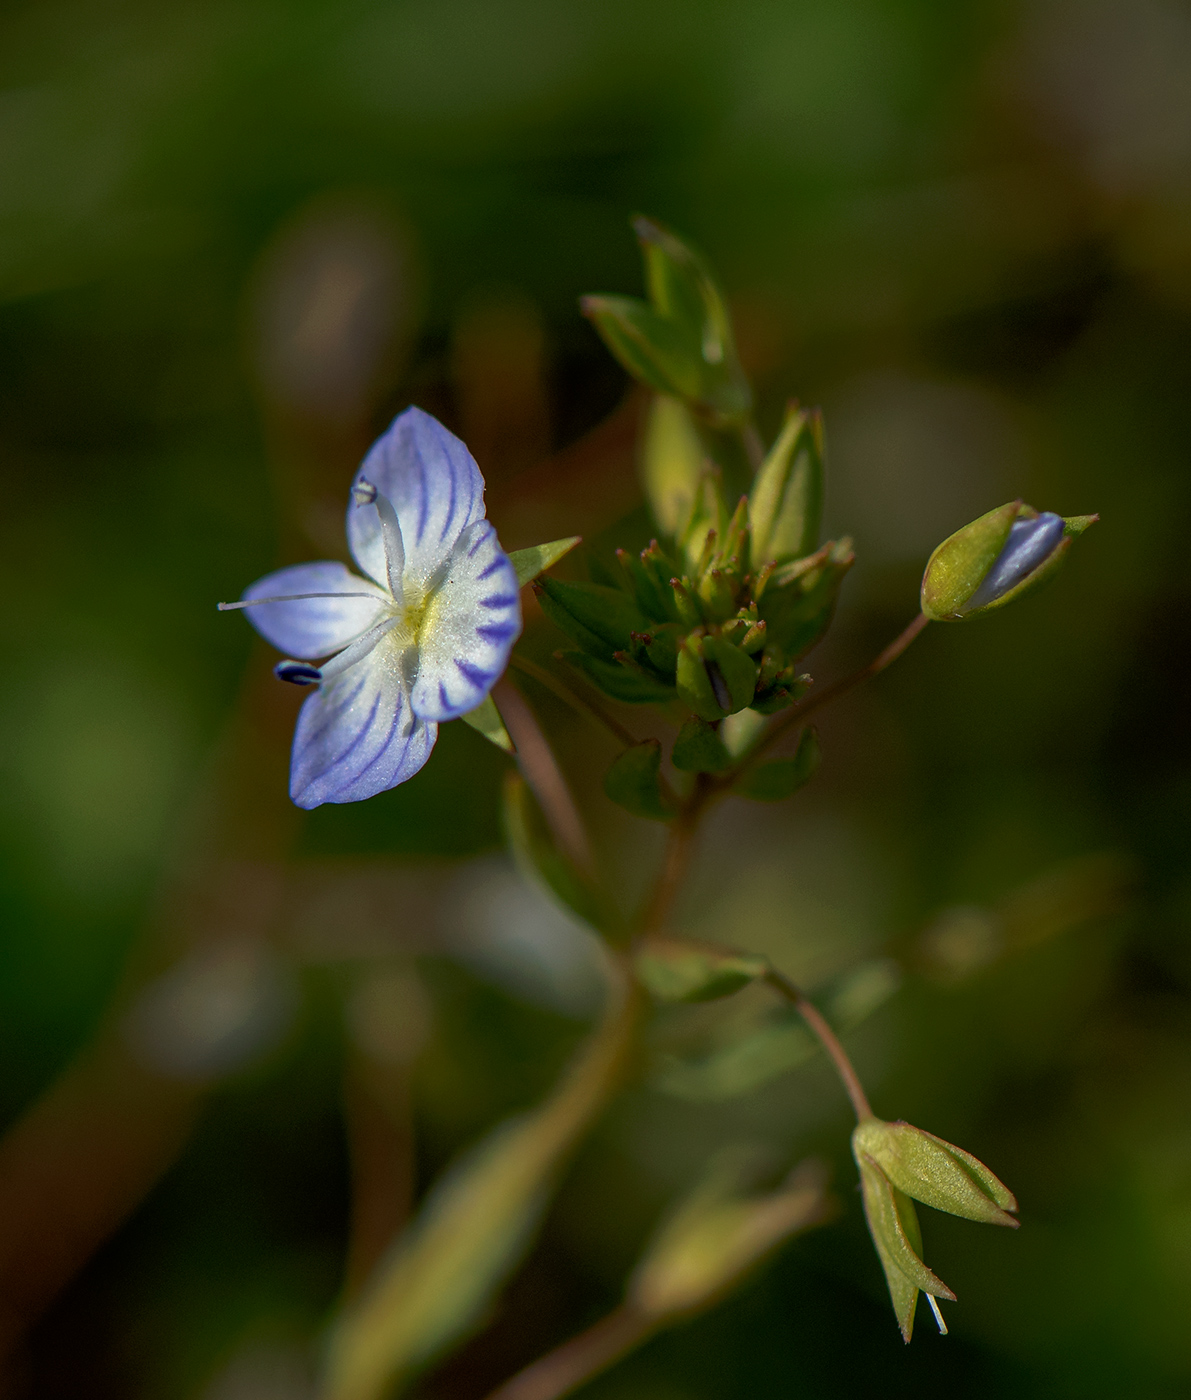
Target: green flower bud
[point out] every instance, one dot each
(695, 685)
(996, 559)
(787, 497)
(672, 463)
(898, 1161)
(935, 1172)
(718, 1234)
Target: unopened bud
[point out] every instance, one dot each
(995, 559)
(787, 496)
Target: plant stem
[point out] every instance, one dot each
(815, 1019)
(676, 859)
(799, 713)
(578, 1359)
(579, 703)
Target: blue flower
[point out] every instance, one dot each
(420, 639)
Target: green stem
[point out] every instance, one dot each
(815, 1019)
(580, 1358)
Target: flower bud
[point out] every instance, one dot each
(787, 497)
(717, 1234)
(672, 463)
(659, 352)
(935, 1172)
(995, 559)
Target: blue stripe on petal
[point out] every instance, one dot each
(496, 635)
(474, 674)
(491, 569)
(499, 600)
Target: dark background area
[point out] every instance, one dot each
(234, 240)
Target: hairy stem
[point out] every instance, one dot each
(578, 1359)
(815, 1019)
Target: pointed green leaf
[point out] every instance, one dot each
(602, 620)
(486, 720)
(699, 749)
(618, 682)
(774, 782)
(798, 601)
(529, 563)
(680, 969)
(652, 348)
(635, 783)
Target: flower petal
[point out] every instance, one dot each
(357, 734)
(472, 622)
(436, 490)
(311, 627)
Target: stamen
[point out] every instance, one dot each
(289, 598)
(297, 672)
(357, 650)
(363, 492)
(934, 1307)
(394, 544)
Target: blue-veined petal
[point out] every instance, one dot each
(470, 628)
(312, 627)
(1029, 543)
(435, 487)
(357, 734)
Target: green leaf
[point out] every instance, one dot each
(635, 783)
(486, 720)
(618, 682)
(672, 463)
(682, 288)
(529, 563)
(680, 969)
(786, 502)
(652, 348)
(602, 620)
(539, 857)
(774, 782)
(438, 1280)
(699, 749)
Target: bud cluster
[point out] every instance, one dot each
(718, 620)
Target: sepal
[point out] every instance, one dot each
(601, 619)
(630, 687)
(485, 719)
(935, 1172)
(699, 749)
(672, 463)
(797, 600)
(529, 563)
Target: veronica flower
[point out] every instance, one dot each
(420, 639)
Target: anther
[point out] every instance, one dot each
(364, 493)
(297, 672)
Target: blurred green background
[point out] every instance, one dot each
(235, 238)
